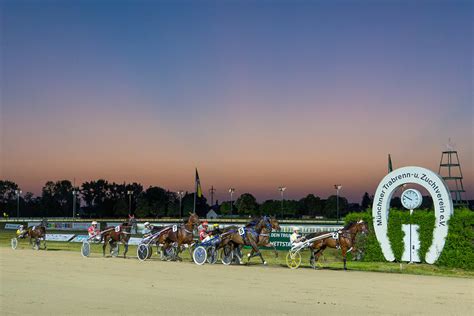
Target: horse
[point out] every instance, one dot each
(37, 233)
(183, 235)
(248, 235)
(264, 237)
(345, 240)
(121, 233)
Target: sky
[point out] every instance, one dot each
(255, 94)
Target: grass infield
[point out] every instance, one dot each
(332, 258)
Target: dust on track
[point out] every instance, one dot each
(62, 282)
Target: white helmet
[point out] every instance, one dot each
(94, 223)
(296, 229)
(146, 224)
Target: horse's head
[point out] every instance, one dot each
(193, 220)
(274, 223)
(132, 221)
(44, 222)
(362, 227)
(263, 223)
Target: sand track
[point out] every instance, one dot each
(61, 282)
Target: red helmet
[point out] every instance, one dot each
(205, 223)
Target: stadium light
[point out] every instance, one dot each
(338, 187)
(231, 191)
(180, 194)
(281, 189)
(18, 193)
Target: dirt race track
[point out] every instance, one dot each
(61, 282)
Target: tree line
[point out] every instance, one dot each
(101, 198)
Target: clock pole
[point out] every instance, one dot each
(411, 246)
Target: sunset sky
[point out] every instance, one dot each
(255, 94)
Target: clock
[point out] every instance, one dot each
(411, 199)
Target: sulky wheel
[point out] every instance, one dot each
(14, 243)
(211, 255)
(85, 249)
(227, 255)
(150, 251)
(143, 251)
(200, 255)
(293, 260)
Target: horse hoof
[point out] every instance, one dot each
(265, 263)
(248, 255)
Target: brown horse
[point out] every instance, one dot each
(37, 233)
(180, 235)
(264, 237)
(345, 240)
(115, 234)
(248, 235)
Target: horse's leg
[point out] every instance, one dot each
(344, 253)
(256, 250)
(125, 246)
(106, 239)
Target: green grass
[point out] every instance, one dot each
(332, 258)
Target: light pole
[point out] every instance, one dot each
(129, 193)
(180, 195)
(337, 187)
(74, 196)
(211, 192)
(281, 189)
(18, 193)
(231, 191)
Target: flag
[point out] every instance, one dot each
(198, 185)
(390, 167)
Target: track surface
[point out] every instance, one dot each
(61, 282)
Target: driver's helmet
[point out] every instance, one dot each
(215, 226)
(296, 229)
(94, 223)
(147, 224)
(205, 224)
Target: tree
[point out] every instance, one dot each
(330, 206)
(271, 207)
(247, 204)
(7, 196)
(365, 201)
(310, 205)
(56, 198)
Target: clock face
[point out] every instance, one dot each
(411, 199)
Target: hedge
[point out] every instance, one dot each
(458, 250)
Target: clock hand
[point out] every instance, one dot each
(408, 197)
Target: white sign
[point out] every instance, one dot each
(412, 243)
(443, 206)
(59, 237)
(12, 226)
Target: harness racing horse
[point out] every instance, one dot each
(37, 233)
(180, 235)
(264, 237)
(248, 235)
(115, 234)
(345, 240)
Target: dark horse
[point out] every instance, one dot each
(345, 240)
(248, 235)
(115, 234)
(264, 237)
(181, 235)
(37, 233)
